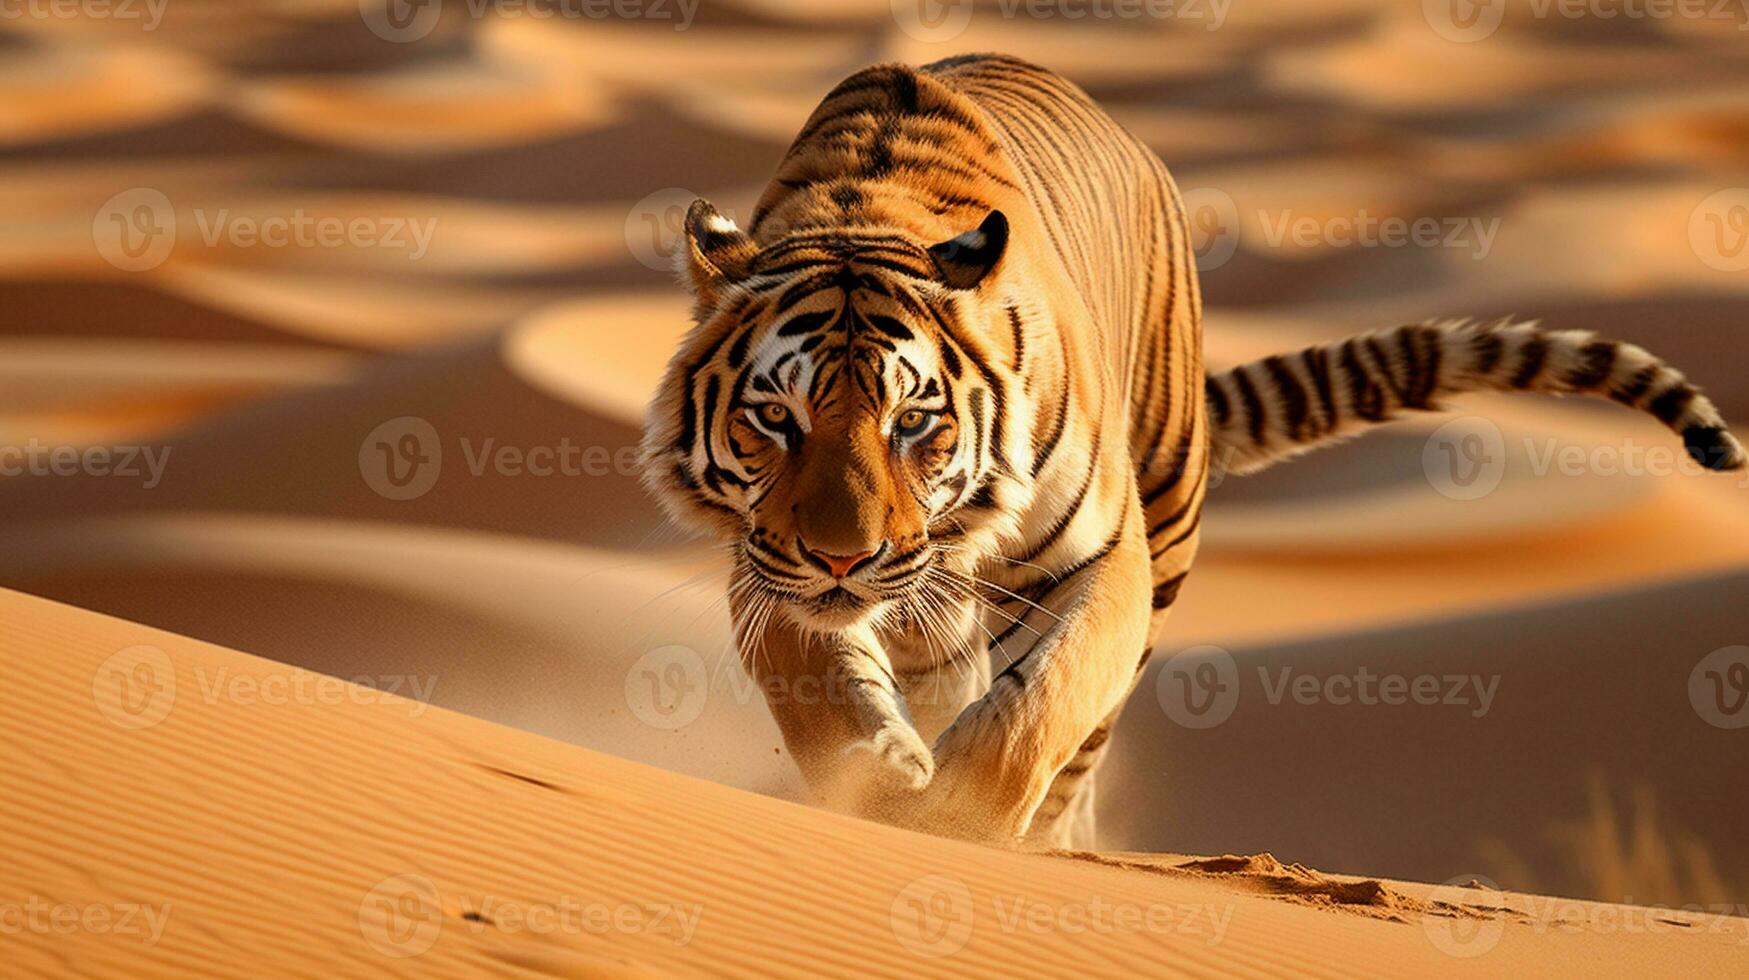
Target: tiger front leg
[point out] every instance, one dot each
(1066, 818)
(996, 762)
(842, 717)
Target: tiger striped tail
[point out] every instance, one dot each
(1271, 410)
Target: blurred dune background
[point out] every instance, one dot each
(325, 329)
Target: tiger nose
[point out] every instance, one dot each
(841, 565)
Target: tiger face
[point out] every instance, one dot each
(832, 414)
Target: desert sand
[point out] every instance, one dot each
(521, 177)
(177, 808)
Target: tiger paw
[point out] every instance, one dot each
(894, 757)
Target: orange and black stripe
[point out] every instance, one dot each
(1270, 410)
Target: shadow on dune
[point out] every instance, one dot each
(300, 454)
(651, 146)
(112, 310)
(1417, 790)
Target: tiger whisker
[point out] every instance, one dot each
(986, 583)
(993, 556)
(984, 603)
(934, 589)
(691, 582)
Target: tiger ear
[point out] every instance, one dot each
(964, 260)
(717, 252)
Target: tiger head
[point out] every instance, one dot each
(837, 415)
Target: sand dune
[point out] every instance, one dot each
(1428, 71)
(1555, 696)
(41, 375)
(551, 156)
(59, 92)
(533, 634)
(422, 110)
(349, 310)
(434, 843)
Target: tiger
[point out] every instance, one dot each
(944, 401)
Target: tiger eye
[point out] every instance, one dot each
(772, 413)
(913, 422)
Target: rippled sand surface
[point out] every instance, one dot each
(257, 235)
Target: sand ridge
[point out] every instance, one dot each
(395, 837)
